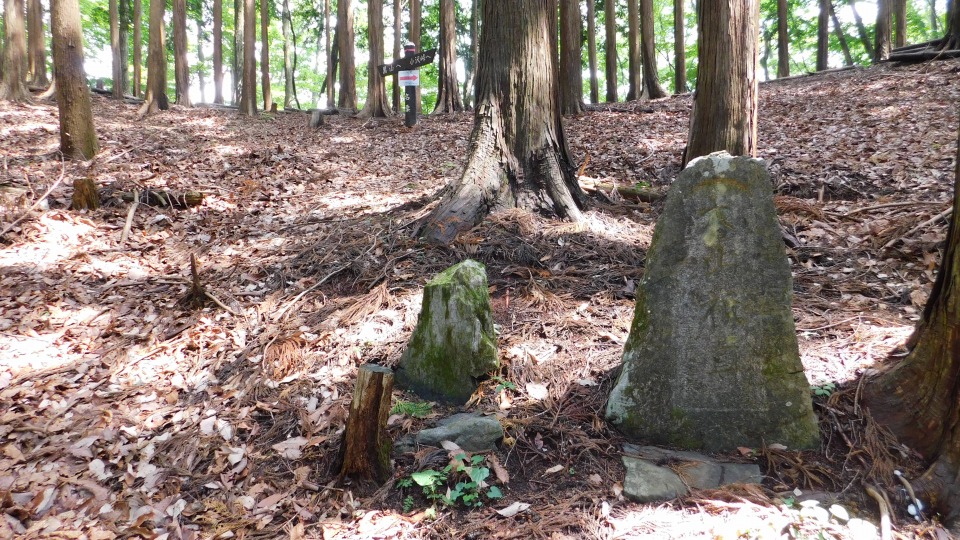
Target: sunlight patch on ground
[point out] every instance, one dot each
(60, 234)
(22, 353)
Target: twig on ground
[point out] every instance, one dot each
(946, 213)
(890, 205)
(129, 222)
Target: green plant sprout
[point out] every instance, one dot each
(470, 489)
(416, 409)
(825, 390)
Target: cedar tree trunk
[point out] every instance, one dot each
(118, 60)
(345, 42)
(634, 62)
(332, 59)
(952, 38)
(201, 62)
(883, 43)
(783, 39)
(571, 65)
(36, 45)
(679, 49)
(398, 51)
(181, 69)
(592, 52)
(518, 155)
(239, 25)
(610, 22)
(248, 90)
(289, 89)
(861, 29)
(841, 37)
(218, 52)
(724, 113)
(823, 34)
(919, 398)
(13, 86)
(415, 33)
(648, 50)
(448, 94)
(377, 105)
(265, 54)
(137, 48)
(78, 138)
(156, 96)
(900, 20)
(471, 61)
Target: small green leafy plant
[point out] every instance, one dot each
(502, 384)
(416, 409)
(469, 490)
(824, 390)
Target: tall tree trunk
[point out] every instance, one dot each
(934, 17)
(765, 59)
(78, 138)
(952, 38)
(724, 113)
(861, 29)
(156, 96)
(218, 52)
(900, 20)
(416, 33)
(124, 9)
(345, 42)
(265, 54)
(201, 61)
(13, 86)
(332, 59)
(571, 64)
(181, 69)
(883, 42)
(377, 104)
(398, 50)
(448, 92)
(239, 26)
(679, 49)
(117, 71)
(841, 37)
(248, 92)
(634, 62)
(518, 155)
(648, 49)
(919, 398)
(36, 45)
(823, 35)
(783, 39)
(288, 86)
(137, 47)
(612, 69)
(592, 52)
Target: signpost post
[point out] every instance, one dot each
(409, 76)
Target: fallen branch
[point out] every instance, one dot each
(890, 205)
(924, 55)
(945, 214)
(592, 185)
(129, 222)
(165, 198)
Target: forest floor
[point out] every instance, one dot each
(130, 407)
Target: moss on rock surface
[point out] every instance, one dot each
(712, 360)
(453, 345)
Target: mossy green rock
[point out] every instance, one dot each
(454, 345)
(712, 360)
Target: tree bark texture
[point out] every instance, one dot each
(239, 26)
(265, 54)
(952, 38)
(201, 62)
(248, 91)
(117, 71)
(919, 398)
(415, 33)
(332, 59)
(345, 42)
(571, 65)
(679, 49)
(518, 154)
(125, 45)
(900, 23)
(156, 96)
(218, 52)
(592, 52)
(783, 39)
(610, 46)
(823, 35)
(634, 62)
(365, 448)
(883, 42)
(13, 85)
(648, 50)
(377, 104)
(78, 138)
(841, 37)
(36, 45)
(181, 69)
(137, 48)
(398, 51)
(289, 88)
(448, 92)
(724, 113)
(471, 60)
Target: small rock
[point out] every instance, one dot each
(470, 431)
(646, 482)
(840, 513)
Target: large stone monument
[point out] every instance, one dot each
(712, 360)
(454, 345)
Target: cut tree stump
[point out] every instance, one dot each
(85, 196)
(365, 450)
(316, 118)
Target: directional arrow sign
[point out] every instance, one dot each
(409, 62)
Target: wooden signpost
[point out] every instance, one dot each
(405, 69)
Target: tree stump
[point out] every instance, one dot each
(316, 118)
(85, 196)
(365, 450)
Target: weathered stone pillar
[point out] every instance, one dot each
(712, 360)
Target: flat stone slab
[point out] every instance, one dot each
(470, 431)
(656, 474)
